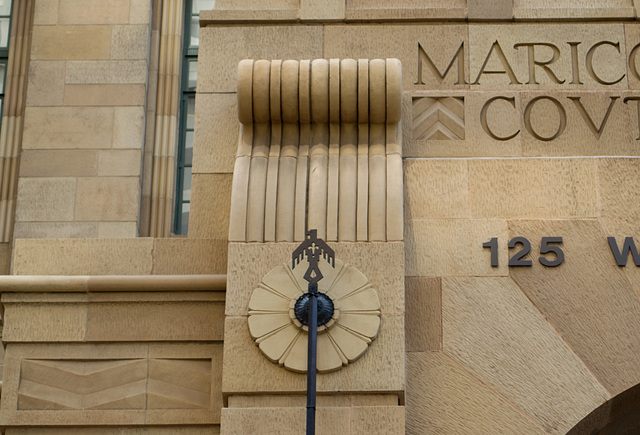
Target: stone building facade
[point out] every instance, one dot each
(473, 165)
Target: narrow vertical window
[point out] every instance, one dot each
(5, 24)
(187, 111)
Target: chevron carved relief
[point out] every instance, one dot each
(438, 118)
(114, 384)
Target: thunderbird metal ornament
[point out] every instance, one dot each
(307, 310)
(347, 313)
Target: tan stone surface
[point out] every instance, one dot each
(443, 397)
(423, 316)
(322, 10)
(436, 189)
(532, 188)
(588, 299)
(404, 9)
(546, 9)
(495, 10)
(129, 42)
(93, 11)
(107, 199)
(114, 163)
(608, 62)
(45, 199)
(453, 247)
(578, 124)
(149, 321)
(140, 11)
(70, 42)
(631, 41)
(381, 42)
(39, 230)
(255, 4)
(480, 315)
(56, 323)
(217, 130)
(5, 262)
(377, 420)
(114, 230)
(104, 95)
(46, 83)
(618, 196)
(385, 354)
(45, 12)
(67, 127)
(83, 257)
(218, 66)
(189, 256)
(59, 163)
(128, 127)
(285, 421)
(244, 273)
(280, 401)
(106, 71)
(210, 206)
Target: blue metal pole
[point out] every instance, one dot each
(311, 358)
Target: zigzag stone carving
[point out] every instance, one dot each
(440, 118)
(114, 384)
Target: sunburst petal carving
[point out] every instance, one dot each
(345, 338)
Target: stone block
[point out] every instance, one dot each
(268, 5)
(107, 199)
(578, 124)
(377, 420)
(93, 11)
(547, 9)
(588, 299)
(245, 273)
(59, 163)
(83, 257)
(176, 256)
(70, 42)
(481, 124)
(46, 83)
(132, 430)
(386, 354)
(423, 316)
(505, 48)
(436, 189)
(217, 130)
(45, 12)
(322, 10)
(59, 322)
(106, 72)
(618, 197)
(442, 397)
(67, 127)
(188, 320)
(495, 10)
(140, 11)
(260, 15)
(5, 269)
(403, 42)
(358, 10)
(210, 206)
(480, 315)
(114, 230)
(284, 421)
(55, 230)
(45, 199)
(130, 42)
(114, 163)
(128, 127)
(104, 95)
(453, 247)
(221, 48)
(532, 188)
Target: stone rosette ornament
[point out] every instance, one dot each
(344, 337)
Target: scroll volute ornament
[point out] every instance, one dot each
(343, 339)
